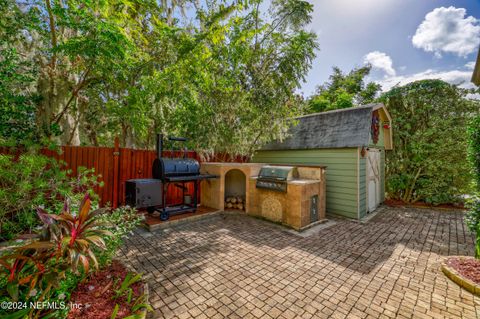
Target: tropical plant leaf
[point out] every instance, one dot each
(115, 312)
(20, 314)
(38, 245)
(44, 216)
(12, 289)
(84, 209)
(85, 263)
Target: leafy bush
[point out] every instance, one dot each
(474, 141)
(126, 292)
(429, 160)
(75, 234)
(50, 268)
(120, 222)
(472, 219)
(473, 216)
(35, 180)
(33, 270)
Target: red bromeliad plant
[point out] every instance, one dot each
(25, 267)
(66, 240)
(75, 235)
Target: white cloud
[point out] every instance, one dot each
(461, 78)
(470, 65)
(381, 61)
(448, 30)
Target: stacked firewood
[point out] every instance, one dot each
(235, 202)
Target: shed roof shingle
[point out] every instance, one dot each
(334, 129)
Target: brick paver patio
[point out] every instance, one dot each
(239, 267)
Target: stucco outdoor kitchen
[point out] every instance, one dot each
(330, 163)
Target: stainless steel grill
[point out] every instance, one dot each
(275, 177)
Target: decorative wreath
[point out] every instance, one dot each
(375, 127)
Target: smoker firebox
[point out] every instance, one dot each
(143, 193)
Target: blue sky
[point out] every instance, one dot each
(404, 40)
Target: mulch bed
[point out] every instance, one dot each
(467, 267)
(399, 203)
(95, 295)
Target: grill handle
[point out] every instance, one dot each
(177, 139)
(172, 139)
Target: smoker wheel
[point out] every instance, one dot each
(164, 215)
(151, 209)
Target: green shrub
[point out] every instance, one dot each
(35, 180)
(51, 268)
(429, 160)
(473, 216)
(472, 219)
(120, 222)
(474, 154)
(126, 292)
(33, 272)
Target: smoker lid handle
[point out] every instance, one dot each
(179, 139)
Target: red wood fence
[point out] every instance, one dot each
(116, 165)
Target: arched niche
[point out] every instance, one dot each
(235, 183)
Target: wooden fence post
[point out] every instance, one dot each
(116, 172)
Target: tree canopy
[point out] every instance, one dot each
(17, 75)
(344, 90)
(219, 72)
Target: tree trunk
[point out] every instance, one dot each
(409, 191)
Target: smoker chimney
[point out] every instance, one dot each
(159, 145)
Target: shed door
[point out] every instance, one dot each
(373, 179)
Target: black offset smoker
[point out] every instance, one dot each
(177, 171)
(151, 193)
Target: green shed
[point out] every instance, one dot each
(351, 143)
